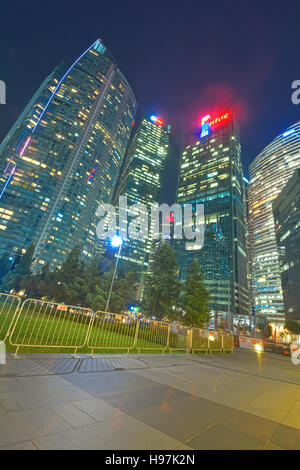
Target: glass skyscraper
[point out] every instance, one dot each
(141, 180)
(62, 158)
(211, 174)
(269, 172)
(286, 210)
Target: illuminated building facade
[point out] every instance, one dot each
(62, 158)
(286, 211)
(141, 179)
(269, 172)
(211, 173)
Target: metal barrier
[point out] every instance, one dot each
(180, 338)
(43, 324)
(200, 340)
(228, 342)
(112, 331)
(9, 305)
(152, 335)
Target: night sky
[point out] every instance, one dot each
(183, 59)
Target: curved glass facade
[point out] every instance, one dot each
(269, 172)
(62, 158)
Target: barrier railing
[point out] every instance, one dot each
(9, 305)
(200, 340)
(180, 338)
(152, 335)
(43, 324)
(228, 342)
(112, 331)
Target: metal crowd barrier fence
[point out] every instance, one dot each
(43, 324)
(9, 305)
(228, 342)
(200, 340)
(180, 338)
(112, 331)
(152, 335)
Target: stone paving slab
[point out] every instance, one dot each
(227, 402)
(34, 365)
(122, 432)
(103, 364)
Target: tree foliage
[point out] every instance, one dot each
(21, 270)
(195, 298)
(76, 283)
(162, 289)
(293, 327)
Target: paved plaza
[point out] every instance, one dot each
(240, 401)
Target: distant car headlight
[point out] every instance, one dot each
(258, 347)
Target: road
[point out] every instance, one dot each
(241, 401)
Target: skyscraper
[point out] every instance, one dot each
(269, 172)
(211, 173)
(286, 210)
(62, 158)
(141, 179)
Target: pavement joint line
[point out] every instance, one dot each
(208, 427)
(251, 373)
(267, 443)
(234, 410)
(34, 444)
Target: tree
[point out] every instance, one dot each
(195, 298)
(5, 264)
(123, 293)
(293, 327)
(162, 289)
(126, 289)
(72, 278)
(21, 270)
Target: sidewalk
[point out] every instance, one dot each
(239, 401)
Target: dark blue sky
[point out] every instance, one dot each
(182, 58)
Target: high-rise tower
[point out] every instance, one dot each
(211, 174)
(141, 179)
(286, 210)
(269, 172)
(62, 158)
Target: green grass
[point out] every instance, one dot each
(60, 330)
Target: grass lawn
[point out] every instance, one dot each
(66, 331)
(44, 326)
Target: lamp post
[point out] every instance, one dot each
(11, 259)
(116, 242)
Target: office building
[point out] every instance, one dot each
(269, 172)
(62, 158)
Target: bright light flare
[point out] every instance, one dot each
(258, 347)
(116, 241)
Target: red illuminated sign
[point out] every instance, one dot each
(219, 119)
(157, 120)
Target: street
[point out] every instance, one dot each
(240, 401)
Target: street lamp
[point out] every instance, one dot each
(11, 259)
(116, 242)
